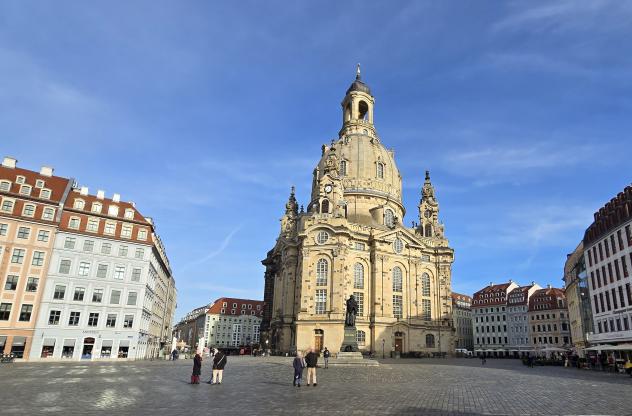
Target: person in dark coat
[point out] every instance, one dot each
(326, 355)
(311, 359)
(219, 362)
(174, 354)
(299, 365)
(197, 369)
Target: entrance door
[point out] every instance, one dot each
(399, 342)
(88, 344)
(319, 334)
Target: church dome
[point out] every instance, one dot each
(358, 85)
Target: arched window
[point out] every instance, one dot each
(425, 285)
(389, 218)
(343, 168)
(380, 170)
(360, 337)
(430, 341)
(397, 279)
(428, 230)
(79, 204)
(363, 110)
(358, 276)
(324, 207)
(322, 272)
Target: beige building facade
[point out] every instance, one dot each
(351, 241)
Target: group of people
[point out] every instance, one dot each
(219, 362)
(310, 361)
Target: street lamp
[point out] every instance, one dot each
(383, 341)
(267, 346)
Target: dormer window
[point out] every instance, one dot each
(113, 210)
(28, 210)
(389, 218)
(142, 234)
(74, 222)
(5, 186)
(78, 204)
(39, 183)
(343, 168)
(129, 213)
(20, 179)
(25, 190)
(380, 170)
(45, 194)
(96, 207)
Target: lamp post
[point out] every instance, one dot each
(383, 342)
(267, 346)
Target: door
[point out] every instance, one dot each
(399, 342)
(318, 339)
(88, 344)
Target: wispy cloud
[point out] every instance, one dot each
(215, 252)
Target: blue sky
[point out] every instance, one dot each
(205, 114)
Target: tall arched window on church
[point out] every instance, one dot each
(324, 206)
(343, 168)
(389, 218)
(322, 272)
(425, 284)
(430, 341)
(428, 230)
(363, 110)
(397, 279)
(380, 170)
(358, 276)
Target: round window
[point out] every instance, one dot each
(322, 237)
(398, 245)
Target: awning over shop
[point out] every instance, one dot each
(69, 343)
(620, 347)
(124, 343)
(106, 343)
(3, 340)
(19, 341)
(49, 342)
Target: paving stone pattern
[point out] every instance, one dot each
(255, 386)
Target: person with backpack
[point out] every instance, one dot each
(299, 365)
(219, 362)
(326, 355)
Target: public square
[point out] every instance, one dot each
(263, 386)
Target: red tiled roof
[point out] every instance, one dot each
(491, 295)
(56, 184)
(459, 296)
(547, 299)
(218, 306)
(521, 293)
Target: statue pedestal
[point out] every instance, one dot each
(349, 343)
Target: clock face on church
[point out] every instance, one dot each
(328, 188)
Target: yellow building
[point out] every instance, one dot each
(351, 241)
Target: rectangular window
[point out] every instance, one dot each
(592, 280)
(84, 268)
(142, 234)
(624, 266)
(614, 298)
(628, 235)
(621, 297)
(608, 300)
(596, 303)
(45, 194)
(397, 306)
(119, 272)
(425, 309)
(320, 301)
(7, 205)
(48, 214)
(88, 246)
(590, 263)
(129, 321)
(123, 251)
(29, 210)
(607, 248)
(38, 258)
(110, 228)
(24, 232)
(60, 292)
(5, 186)
(102, 270)
(610, 273)
(131, 298)
(93, 319)
(136, 275)
(25, 190)
(359, 296)
(73, 320)
(53, 317)
(629, 292)
(64, 266)
(43, 235)
(3, 229)
(97, 295)
(74, 222)
(115, 297)
(616, 269)
(601, 303)
(5, 311)
(110, 322)
(612, 244)
(31, 284)
(18, 256)
(79, 294)
(126, 231)
(106, 248)
(11, 282)
(25, 313)
(69, 243)
(93, 225)
(140, 253)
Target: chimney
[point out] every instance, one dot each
(9, 162)
(46, 171)
(83, 190)
(491, 283)
(132, 203)
(510, 281)
(116, 198)
(100, 194)
(548, 286)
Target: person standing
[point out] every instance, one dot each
(299, 365)
(326, 355)
(219, 362)
(483, 359)
(311, 359)
(197, 369)
(174, 354)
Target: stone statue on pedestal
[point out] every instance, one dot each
(349, 343)
(352, 311)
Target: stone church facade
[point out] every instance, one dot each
(351, 240)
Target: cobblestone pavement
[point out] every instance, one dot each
(263, 386)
